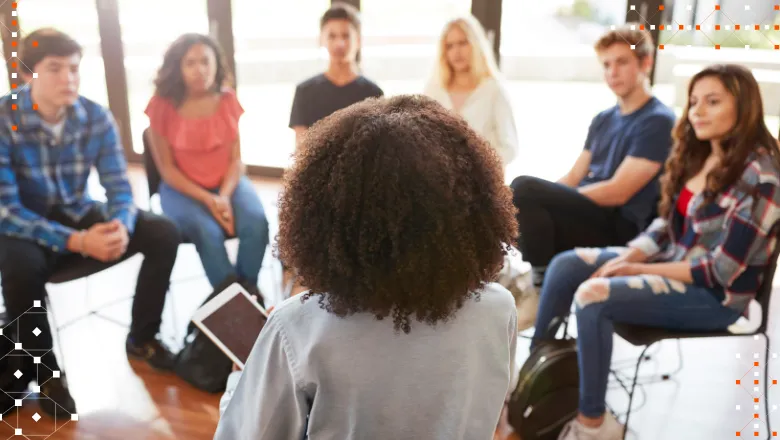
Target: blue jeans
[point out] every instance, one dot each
(646, 300)
(198, 225)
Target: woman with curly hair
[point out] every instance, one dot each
(195, 143)
(696, 267)
(396, 216)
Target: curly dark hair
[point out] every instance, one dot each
(170, 82)
(394, 206)
(750, 134)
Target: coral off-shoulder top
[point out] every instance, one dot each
(201, 147)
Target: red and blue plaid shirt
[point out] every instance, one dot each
(39, 174)
(728, 241)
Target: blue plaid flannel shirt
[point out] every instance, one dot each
(37, 174)
(730, 245)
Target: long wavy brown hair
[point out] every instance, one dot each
(395, 207)
(749, 134)
(170, 81)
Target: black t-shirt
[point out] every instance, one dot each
(318, 97)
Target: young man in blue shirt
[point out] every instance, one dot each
(50, 139)
(610, 193)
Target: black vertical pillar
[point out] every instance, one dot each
(488, 12)
(650, 14)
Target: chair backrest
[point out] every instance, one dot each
(764, 294)
(152, 173)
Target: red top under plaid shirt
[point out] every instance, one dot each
(727, 242)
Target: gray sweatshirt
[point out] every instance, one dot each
(352, 378)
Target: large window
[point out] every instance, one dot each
(146, 34)
(276, 46)
(77, 18)
(399, 39)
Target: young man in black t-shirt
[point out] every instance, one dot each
(342, 84)
(338, 87)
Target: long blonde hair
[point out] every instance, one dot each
(483, 62)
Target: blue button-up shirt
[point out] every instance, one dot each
(38, 173)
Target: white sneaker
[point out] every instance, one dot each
(611, 429)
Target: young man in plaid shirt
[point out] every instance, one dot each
(50, 139)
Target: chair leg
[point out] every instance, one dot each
(766, 386)
(633, 387)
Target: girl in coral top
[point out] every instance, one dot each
(194, 132)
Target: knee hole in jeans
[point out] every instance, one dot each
(595, 290)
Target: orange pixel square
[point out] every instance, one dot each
(13, 128)
(661, 47)
(698, 27)
(717, 27)
(755, 416)
(661, 7)
(717, 47)
(35, 106)
(641, 27)
(661, 27)
(774, 382)
(758, 27)
(777, 27)
(777, 46)
(717, 7)
(682, 27)
(777, 7)
(13, 5)
(739, 434)
(755, 364)
(755, 382)
(755, 400)
(14, 43)
(755, 434)
(736, 27)
(13, 107)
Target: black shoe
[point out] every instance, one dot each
(55, 399)
(153, 352)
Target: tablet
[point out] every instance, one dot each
(232, 320)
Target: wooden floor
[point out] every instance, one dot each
(117, 399)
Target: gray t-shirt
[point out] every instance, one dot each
(356, 378)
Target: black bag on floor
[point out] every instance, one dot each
(200, 362)
(547, 392)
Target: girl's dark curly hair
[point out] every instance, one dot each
(395, 207)
(170, 81)
(750, 134)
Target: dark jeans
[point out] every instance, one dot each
(554, 218)
(25, 268)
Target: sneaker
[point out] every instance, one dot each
(153, 352)
(55, 399)
(611, 429)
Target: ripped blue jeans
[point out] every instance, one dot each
(647, 300)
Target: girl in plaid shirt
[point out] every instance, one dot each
(696, 267)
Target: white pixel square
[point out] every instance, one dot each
(652, 27)
(13, 95)
(36, 388)
(35, 75)
(755, 337)
(747, 7)
(755, 355)
(766, 27)
(13, 34)
(56, 374)
(13, 13)
(737, 407)
(633, 7)
(613, 27)
(755, 407)
(747, 46)
(13, 54)
(633, 27)
(728, 27)
(755, 425)
(37, 360)
(74, 417)
(774, 407)
(18, 346)
(17, 402)
(755, 389)
(774, 355)
(755, 374)
(1, 332)
(18, 431)
(633, 46)
(690, 27)
(13, 75)
(36, 303)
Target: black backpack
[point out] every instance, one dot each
(547, 392)
(200, 362)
